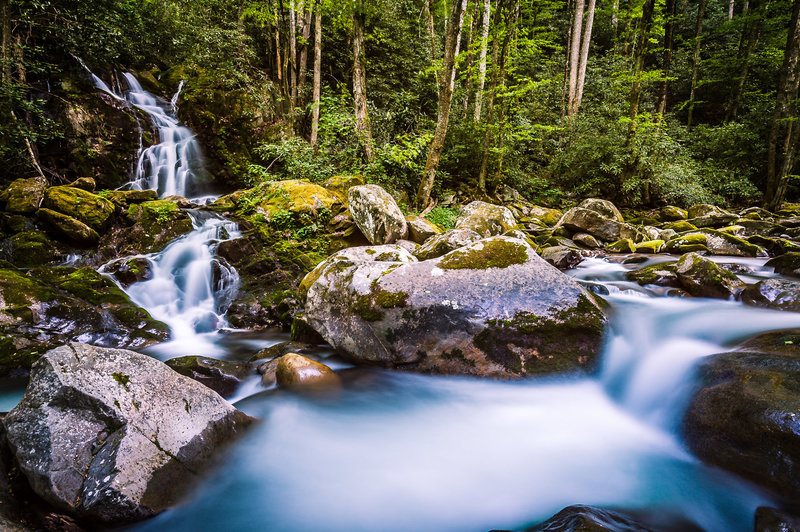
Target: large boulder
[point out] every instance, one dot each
(113, 435)
(377, 215)
(67, 228)
(31, 248)
(486, 219)
(446, 242)
(421, 229)
(702, 277)
(704, 215)
(780, 294)
(23, 196)
(562, 257)
(46, 307)
(743, 415)
(493, 308)
(589, 221)
(604, 208)
(91, 209)
(786, 264)
(719, 243)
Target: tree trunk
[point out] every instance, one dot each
(293, 53)
(5, 17)
(615, 18)
(434, 48)
(640, 46)
(317, 75)
(279, 63)
(701, 7)
(360, 81)
(567, 62)
(476, 15)
(753, 35)
(487, 13)
(487, 136)
(669, 40)
(731, 7)
(785, 112)
(587, 37)
(306, 33)
(446, 86)
(574, 57)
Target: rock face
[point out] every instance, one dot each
(588, 519)
(493, 308)
(703, 278)
(744, 414)
(376, 214)
(113, 435)
(486, 219)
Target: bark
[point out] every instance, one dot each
(279, 62)
(669, 41)
(574, 56)
(642, 33)
(306, 33)
(701, 7)
(587, 38)
(293, 53)
(317, 75)
(784, 116)
(615, 18)
(753, 33)
(5, 17)
(451, 44)
(432, 36)
(487, 13)
(567, 62)
(487, 136)
(471, 54)
(360, 81)
(731, 7)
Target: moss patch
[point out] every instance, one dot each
(487, 254)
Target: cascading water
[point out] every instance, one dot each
(189, 288)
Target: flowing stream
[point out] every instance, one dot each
(396, 452)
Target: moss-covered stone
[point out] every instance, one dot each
(650, 246)
(720, 243)
(548, 217)
(658, 274)
(152, 226)
(786, 264)
(125, 198)
(67, 228)
(703, 278)
(420, 229)
(488, 253)
(341, 184)
(679, 226)
(673, 213)
(486, 219)
(297, 196)
(23, 196)
(91, 209)
(32, 248)
(623, 245)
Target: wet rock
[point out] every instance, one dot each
(588, 519)
(23, 196)
(91, 209)
(303, 332)
(650, 246)
(680, 226)
(420, 229)
(704, 215)
(786, 264)
(701, 277)
(743, 415)
(129, 271)
(283, 348)
(760, 227)
(84, 183)
(673, 213)
(116, 436)
(720, 243)
(126, 198)
(693, 242)
(562, 257)
(603, 207)
(774, 520)
(377, 215)
(775, 246)
(587, 240)
(294, 370)
(222, 376)
(663, 274)
(32, 248)
(493, 308)
(779, 294)
(153, 225)
(46, 307)
(623, 245)
(486, 219)
(446, 242)
(67, 228)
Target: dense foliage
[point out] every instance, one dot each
(252, 104)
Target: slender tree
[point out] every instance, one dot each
(669, 41)
(360, 79)
(446, 86)
(487, 10)
(701, 8)
(574, 55)
(317, 74)
(584, 57)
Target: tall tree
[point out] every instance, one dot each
(755, 13)
(446, 86)
(317, 74)
(784, 118)
(584, 58)
(701, 8)
(574, 55)
(669, 41)
(360, 79)
(487, 13)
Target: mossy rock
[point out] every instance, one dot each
(91, 209)
(650, 246)
(720, 243)
(623, 245)
(341, 184)
(679, 226)
(486, 219)
(84, 183)
(586, 240)
(32, 248)
(298, 196)
(686, 243)
(24, 196)
(125, 198)
(85, 283)
(603, 207)
(658, 274)
(673, 213)
(786, 264)
(420, 229)
(222, 376)
(703, 278)
(775, 246)
(153, 225)
(67, 228)
(489, 253)
(547, 216)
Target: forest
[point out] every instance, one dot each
(644, 103)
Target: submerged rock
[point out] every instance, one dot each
(116, 436)
(702, 277)
(744, 414)
(222, 376)
(377, 215)
(486, 219)
(588, 519)
(493, 308)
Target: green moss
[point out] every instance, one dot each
(122, 380)
(32, 248)
(493, 253)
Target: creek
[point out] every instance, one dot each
(394, 451)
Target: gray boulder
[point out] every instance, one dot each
(113, 435)
(607, 229)
(562, 257)
(779, 294)
(420, 229)
(445, 243)
(493, 308)
(486, 219)
(703, 278)
(604, 208)
(376, 214)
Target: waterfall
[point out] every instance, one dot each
(189, 289)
